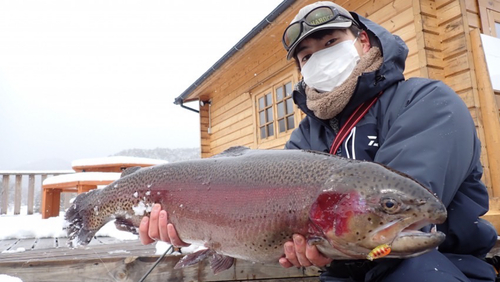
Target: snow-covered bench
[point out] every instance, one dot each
(79, 182)
(112, 164)
(89, 174)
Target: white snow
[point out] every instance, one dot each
(83, 176)
(7, 278)
(161, 247)
(18, 250)
(142, 208)
(119, 252)
(33, 226)
(116, 160)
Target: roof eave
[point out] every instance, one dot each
(249, 36)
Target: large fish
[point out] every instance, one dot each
(247, 203)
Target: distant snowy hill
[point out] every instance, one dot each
(170, 155)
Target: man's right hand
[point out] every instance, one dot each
(156, 228)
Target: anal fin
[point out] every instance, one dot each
(219, 263)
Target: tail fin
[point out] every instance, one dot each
(78, 216)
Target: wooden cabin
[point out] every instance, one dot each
(245, 98)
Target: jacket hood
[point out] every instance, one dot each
(394, 51)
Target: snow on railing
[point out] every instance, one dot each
(24, 188)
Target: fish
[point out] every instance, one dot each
(246, 203)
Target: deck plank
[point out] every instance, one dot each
(109, 260)
(45, 243)
(7, 244)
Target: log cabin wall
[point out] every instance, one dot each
(437, 35)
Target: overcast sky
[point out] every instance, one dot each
(89, 78)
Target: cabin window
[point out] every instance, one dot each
(276, 111)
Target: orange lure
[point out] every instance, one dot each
(379, 252)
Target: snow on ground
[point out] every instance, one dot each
(33, 226)
(7, 278)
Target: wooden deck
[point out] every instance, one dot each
(107, 259)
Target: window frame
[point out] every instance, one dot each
(272, 88)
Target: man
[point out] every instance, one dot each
(359, 106)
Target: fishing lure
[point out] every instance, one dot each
(379, 252)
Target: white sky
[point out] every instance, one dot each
(89, 78)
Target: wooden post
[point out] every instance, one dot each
(31, 193)
(51, 202)
(4, 206)
(44, 176)
(17, 194)
(489, 111)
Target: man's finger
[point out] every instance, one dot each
(315, 257)
(290, 254)
(153, 231)
(174, 238)
(300, 250)
(284, 262)
(144, 231)
(162, 226)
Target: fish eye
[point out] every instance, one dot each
(390, 205)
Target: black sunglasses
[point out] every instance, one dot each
(316, 17)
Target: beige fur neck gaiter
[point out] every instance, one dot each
(327, 105)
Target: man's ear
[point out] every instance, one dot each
(365, 41)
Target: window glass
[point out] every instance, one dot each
(269, 99)
(279, 94)
(281, 110)
(288, 89)
(262, 104)
(290, 122)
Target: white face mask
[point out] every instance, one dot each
(330, 67)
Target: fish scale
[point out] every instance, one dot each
(246, 203)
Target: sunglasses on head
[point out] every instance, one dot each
(316, 17)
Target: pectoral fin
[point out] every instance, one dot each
(218, 262)
(193, 258)
(125, 225)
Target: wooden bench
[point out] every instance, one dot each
(77, 183)
(89, 174)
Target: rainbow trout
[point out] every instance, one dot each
(247, 203)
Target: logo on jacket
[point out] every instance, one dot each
(373, 141)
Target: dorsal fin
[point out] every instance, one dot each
(130, 170)
(233, 152)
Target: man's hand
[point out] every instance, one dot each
(156, 227)
(298, 253)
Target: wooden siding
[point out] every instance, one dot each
(232, 90)
(437, 35)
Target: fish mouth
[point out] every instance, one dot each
(409, 239)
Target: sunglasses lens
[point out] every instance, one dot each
(292, 33)
(320, 16)
(314, 18)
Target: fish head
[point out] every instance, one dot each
(365, 205)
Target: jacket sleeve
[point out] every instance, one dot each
(430, 136)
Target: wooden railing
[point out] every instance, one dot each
(23, 188)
